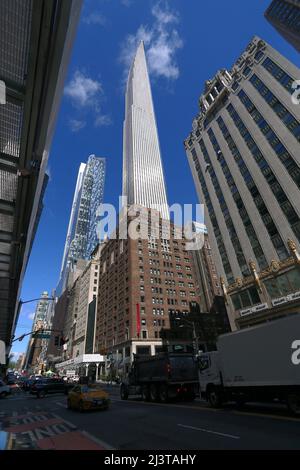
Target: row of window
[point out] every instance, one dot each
(280, 75)
(267, 173)
(287, 14)
(239, 203)
(214, 222)
(261, 207)
(282, 112)
(278, 147)
(270, 177)
(227, 217)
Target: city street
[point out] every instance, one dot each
(133, 425)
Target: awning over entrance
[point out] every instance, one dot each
(83, 360)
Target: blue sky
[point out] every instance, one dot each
(186, 41)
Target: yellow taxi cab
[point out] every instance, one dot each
(87, 397)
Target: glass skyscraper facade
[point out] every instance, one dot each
(284, 15)
(244, 153)
(82, 235)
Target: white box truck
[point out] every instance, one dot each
(260, 363)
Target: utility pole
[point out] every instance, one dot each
(192, 325)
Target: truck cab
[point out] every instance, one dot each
(210, 376)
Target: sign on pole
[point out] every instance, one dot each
(2, 353)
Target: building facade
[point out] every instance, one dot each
(65, 266)
(141, 283)
(87, 307)
(244, 154)
(284, 15)
(82, 236)
(55, 344)
(143, 178)
(37, 347)
(35, 43)
(207, 275)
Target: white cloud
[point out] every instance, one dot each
(127, 3)
(95, 18)
(164, 16)
(86, 95)
(102, 120)
(31, 316)
(76, 125)
(83, 90)
(161, 39)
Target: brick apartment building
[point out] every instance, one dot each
(141, 283)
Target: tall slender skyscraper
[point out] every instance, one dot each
(143, 178)
(82, 231)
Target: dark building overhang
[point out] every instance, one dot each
(35, 43)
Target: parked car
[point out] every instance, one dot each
(43, 387)
(88, 397)
(4, 389)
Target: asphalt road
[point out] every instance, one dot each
(133, 425)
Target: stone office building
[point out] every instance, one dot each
(244, 154)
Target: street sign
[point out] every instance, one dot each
(42, 335)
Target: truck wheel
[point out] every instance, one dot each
(214, 398)
(124, 392)
(145, 393)
(154, 393)
(293, 403)
(163, 394)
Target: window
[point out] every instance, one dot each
(143, 322)
(144, 334)
(284, 284)
(245, 298)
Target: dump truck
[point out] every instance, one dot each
(162, 377)
(260, 363)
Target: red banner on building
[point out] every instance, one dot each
(138, 320)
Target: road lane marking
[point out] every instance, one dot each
(209, 431)
(62, 405)
(204, 408)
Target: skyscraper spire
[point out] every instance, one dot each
(143, 179)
